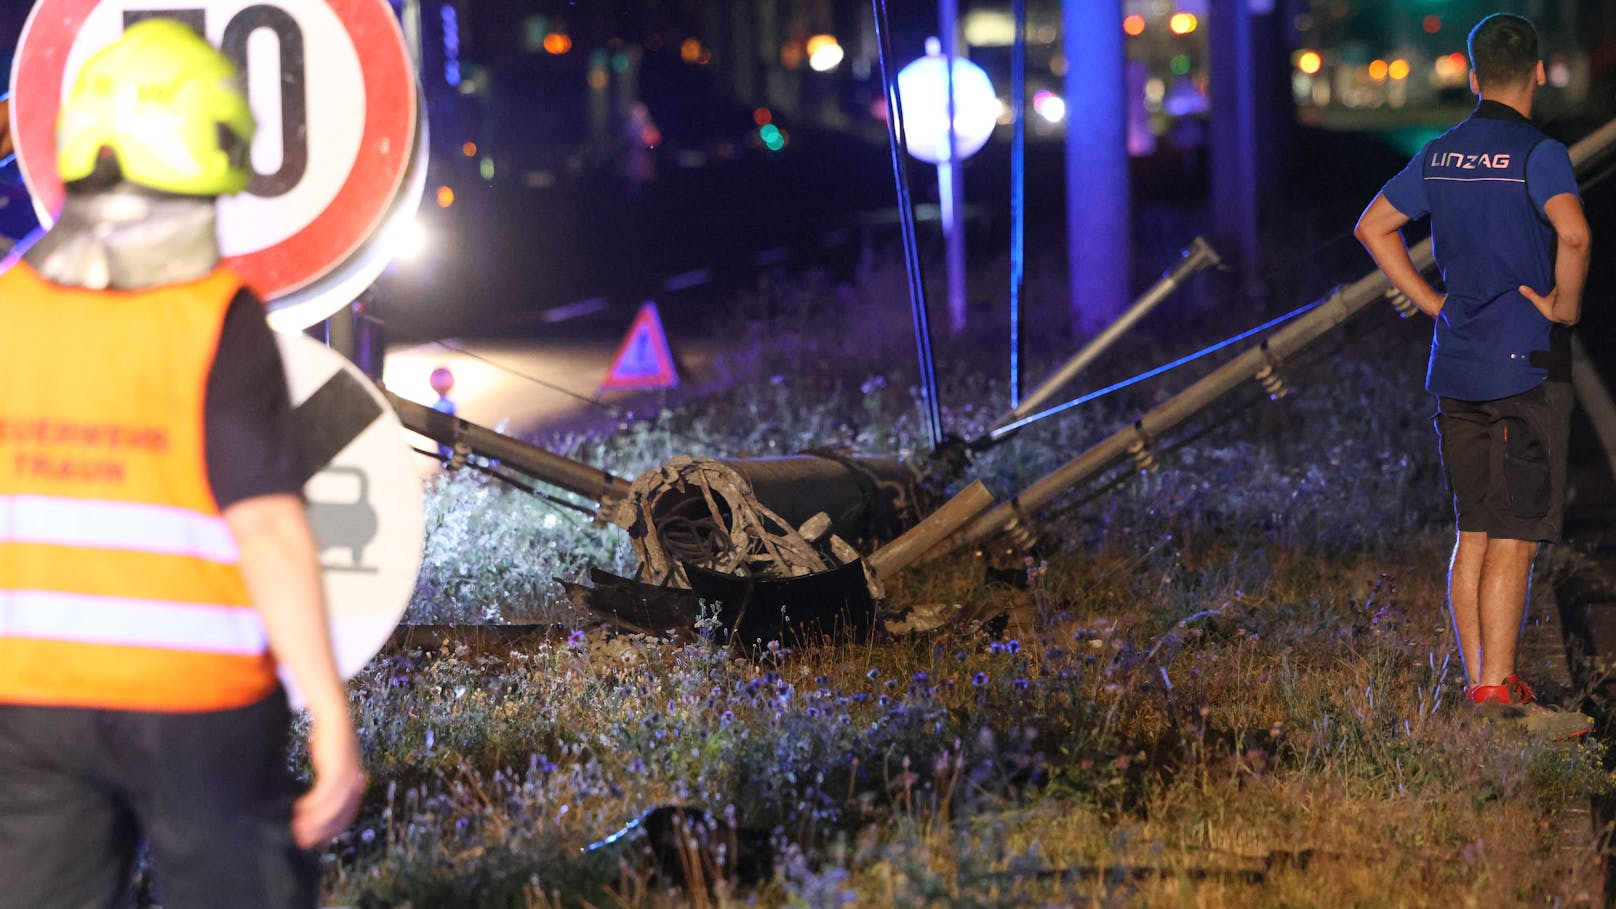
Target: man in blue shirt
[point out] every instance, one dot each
(1513, 246)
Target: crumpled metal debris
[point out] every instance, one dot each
(763, 518)
(782, 571)
(698, 511)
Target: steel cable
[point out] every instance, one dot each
(906, 216)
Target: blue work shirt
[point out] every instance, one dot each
(1485, 183)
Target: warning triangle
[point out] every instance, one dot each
(643, 360)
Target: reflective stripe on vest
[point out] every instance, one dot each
(115, 525)
(130, 622)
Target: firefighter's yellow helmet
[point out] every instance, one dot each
(168, 105)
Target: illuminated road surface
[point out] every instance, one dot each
(528, 386)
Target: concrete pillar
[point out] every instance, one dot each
(1233, 153)
(1098, 216)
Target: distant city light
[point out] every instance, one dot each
(792, 54)
(598, 79)
(1180, 64)
(1182, 23)
(1559, 72)
(1185, 99)
(989, 28)
(451, 44)
(762, 116)
(1377, 70)
(925, 86)
(1050, 106)
(1432, 24)
(1398, 69)
(1309, 62)
(690, 50)
(446, 196)
(1134, 25)
(772, 137)
(824, 53)
(557, 43)
(469, 149)
(1451, 68)
(485, 167)
(1155, 90)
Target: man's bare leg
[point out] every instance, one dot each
(1464, 600)
(1506, 576)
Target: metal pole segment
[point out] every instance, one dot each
(1592, 147)
(564, 473)
(906, 218)
(1197, 257)
(1018, 195)
(1595, 399)
(1159, 370)
(918, 540)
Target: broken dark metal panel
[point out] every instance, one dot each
(834, 604)
(831, 605)
(634, 605)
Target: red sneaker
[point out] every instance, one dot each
(1489, 694)
(1513, 703)
(1519, 691)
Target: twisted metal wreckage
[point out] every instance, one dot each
(775, 542)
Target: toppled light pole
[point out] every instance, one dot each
(574, 476)
(1195, 258)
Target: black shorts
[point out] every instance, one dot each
(1505, 461)
(210, 792)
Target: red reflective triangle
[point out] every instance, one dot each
(643, 360)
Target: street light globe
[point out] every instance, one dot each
(923, 92)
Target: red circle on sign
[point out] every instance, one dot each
(367, 192)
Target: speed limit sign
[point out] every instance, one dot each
(340, 149)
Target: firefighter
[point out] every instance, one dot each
(156, 568)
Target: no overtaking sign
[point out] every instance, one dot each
(339, 151)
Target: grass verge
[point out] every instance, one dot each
(1226, 683)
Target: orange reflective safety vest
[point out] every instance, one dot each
(119, 585)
